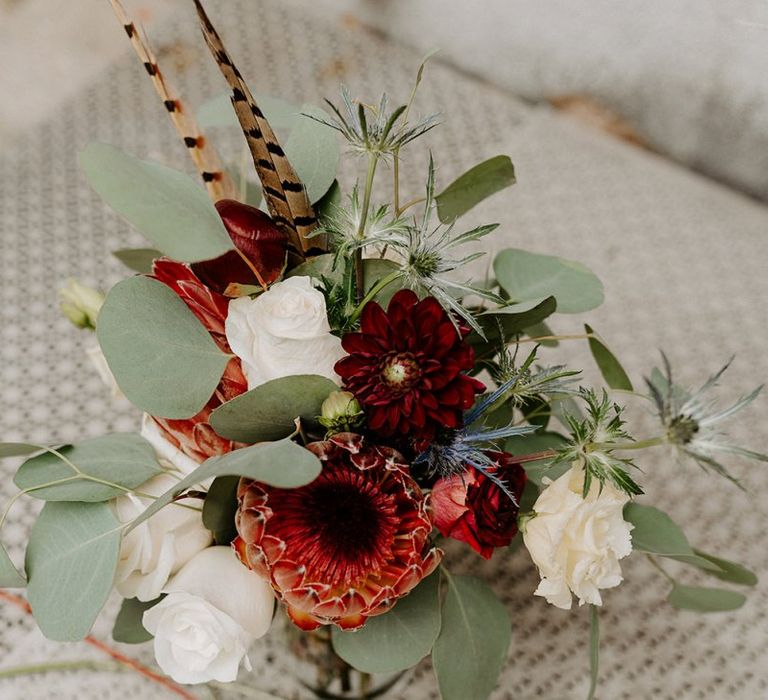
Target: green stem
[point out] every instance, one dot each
(88, 664)
(660, 569)
(623, 446)
(383, 282)
(373, 159)
(594, 650)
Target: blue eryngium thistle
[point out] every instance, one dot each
(593, 441)
(458, 450)
(527, 383)
(384, 134)
(691, 419)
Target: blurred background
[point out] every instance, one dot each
(639, 133)
(685, 78)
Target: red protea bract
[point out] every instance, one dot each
(346, 546)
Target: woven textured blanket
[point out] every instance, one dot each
(684, 265)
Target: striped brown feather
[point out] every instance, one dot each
(284, 193)
(205, 158)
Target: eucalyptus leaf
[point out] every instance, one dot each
(398, 639)
(9, 574)
(474, 186)
(528, 276)
(17, 449)
(129, 628)
(471, 648)
(124, 459)
(71, 562)
(162, 357)
(282, 464)
(508, 321)
(218, 111)
(728, 570)
(327, 205)
(611, 369)
(220, 507)
(705, 600)
(268, 412)
(655, 532)
(313, 151)
(138, 259)
(167, 206)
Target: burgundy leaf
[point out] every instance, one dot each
(257, 239)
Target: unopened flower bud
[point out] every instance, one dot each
(341, 412)
(80, 304)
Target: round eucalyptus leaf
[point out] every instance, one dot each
(268, 411)
(529, 276)
(167, 206)
(397, 639)
(124, 459)
(163, 359)
(71, 562)
(471, 648)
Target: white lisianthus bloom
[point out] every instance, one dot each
(155, 550)
(214, 610)
(577, 542)
(283, 332)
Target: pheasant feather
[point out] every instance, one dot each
(284, 193)
(205, 158)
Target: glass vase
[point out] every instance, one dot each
(314, 664)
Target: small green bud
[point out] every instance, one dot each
(80, 304)
(341, 412)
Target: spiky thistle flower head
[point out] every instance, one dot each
(427, 255)
(374, 129)
(593, 442)
(528, 383)
(347, 235)
(692, 419)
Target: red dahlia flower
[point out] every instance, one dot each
(194, 436)
(344, 547)
(406, 366)
(471, 508)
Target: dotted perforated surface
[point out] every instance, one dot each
(683, 262)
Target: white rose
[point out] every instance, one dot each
(283, 332)
(576, 542)
(161, 545)
(214, 610)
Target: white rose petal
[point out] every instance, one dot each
(283, 332)
(576, 542)
(161, 545)
(214, 610)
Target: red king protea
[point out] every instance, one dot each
(344, 547)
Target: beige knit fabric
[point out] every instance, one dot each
(683, 261)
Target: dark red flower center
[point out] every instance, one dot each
(400, 371)
(340, 527)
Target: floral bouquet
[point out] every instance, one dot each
(328, 402)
